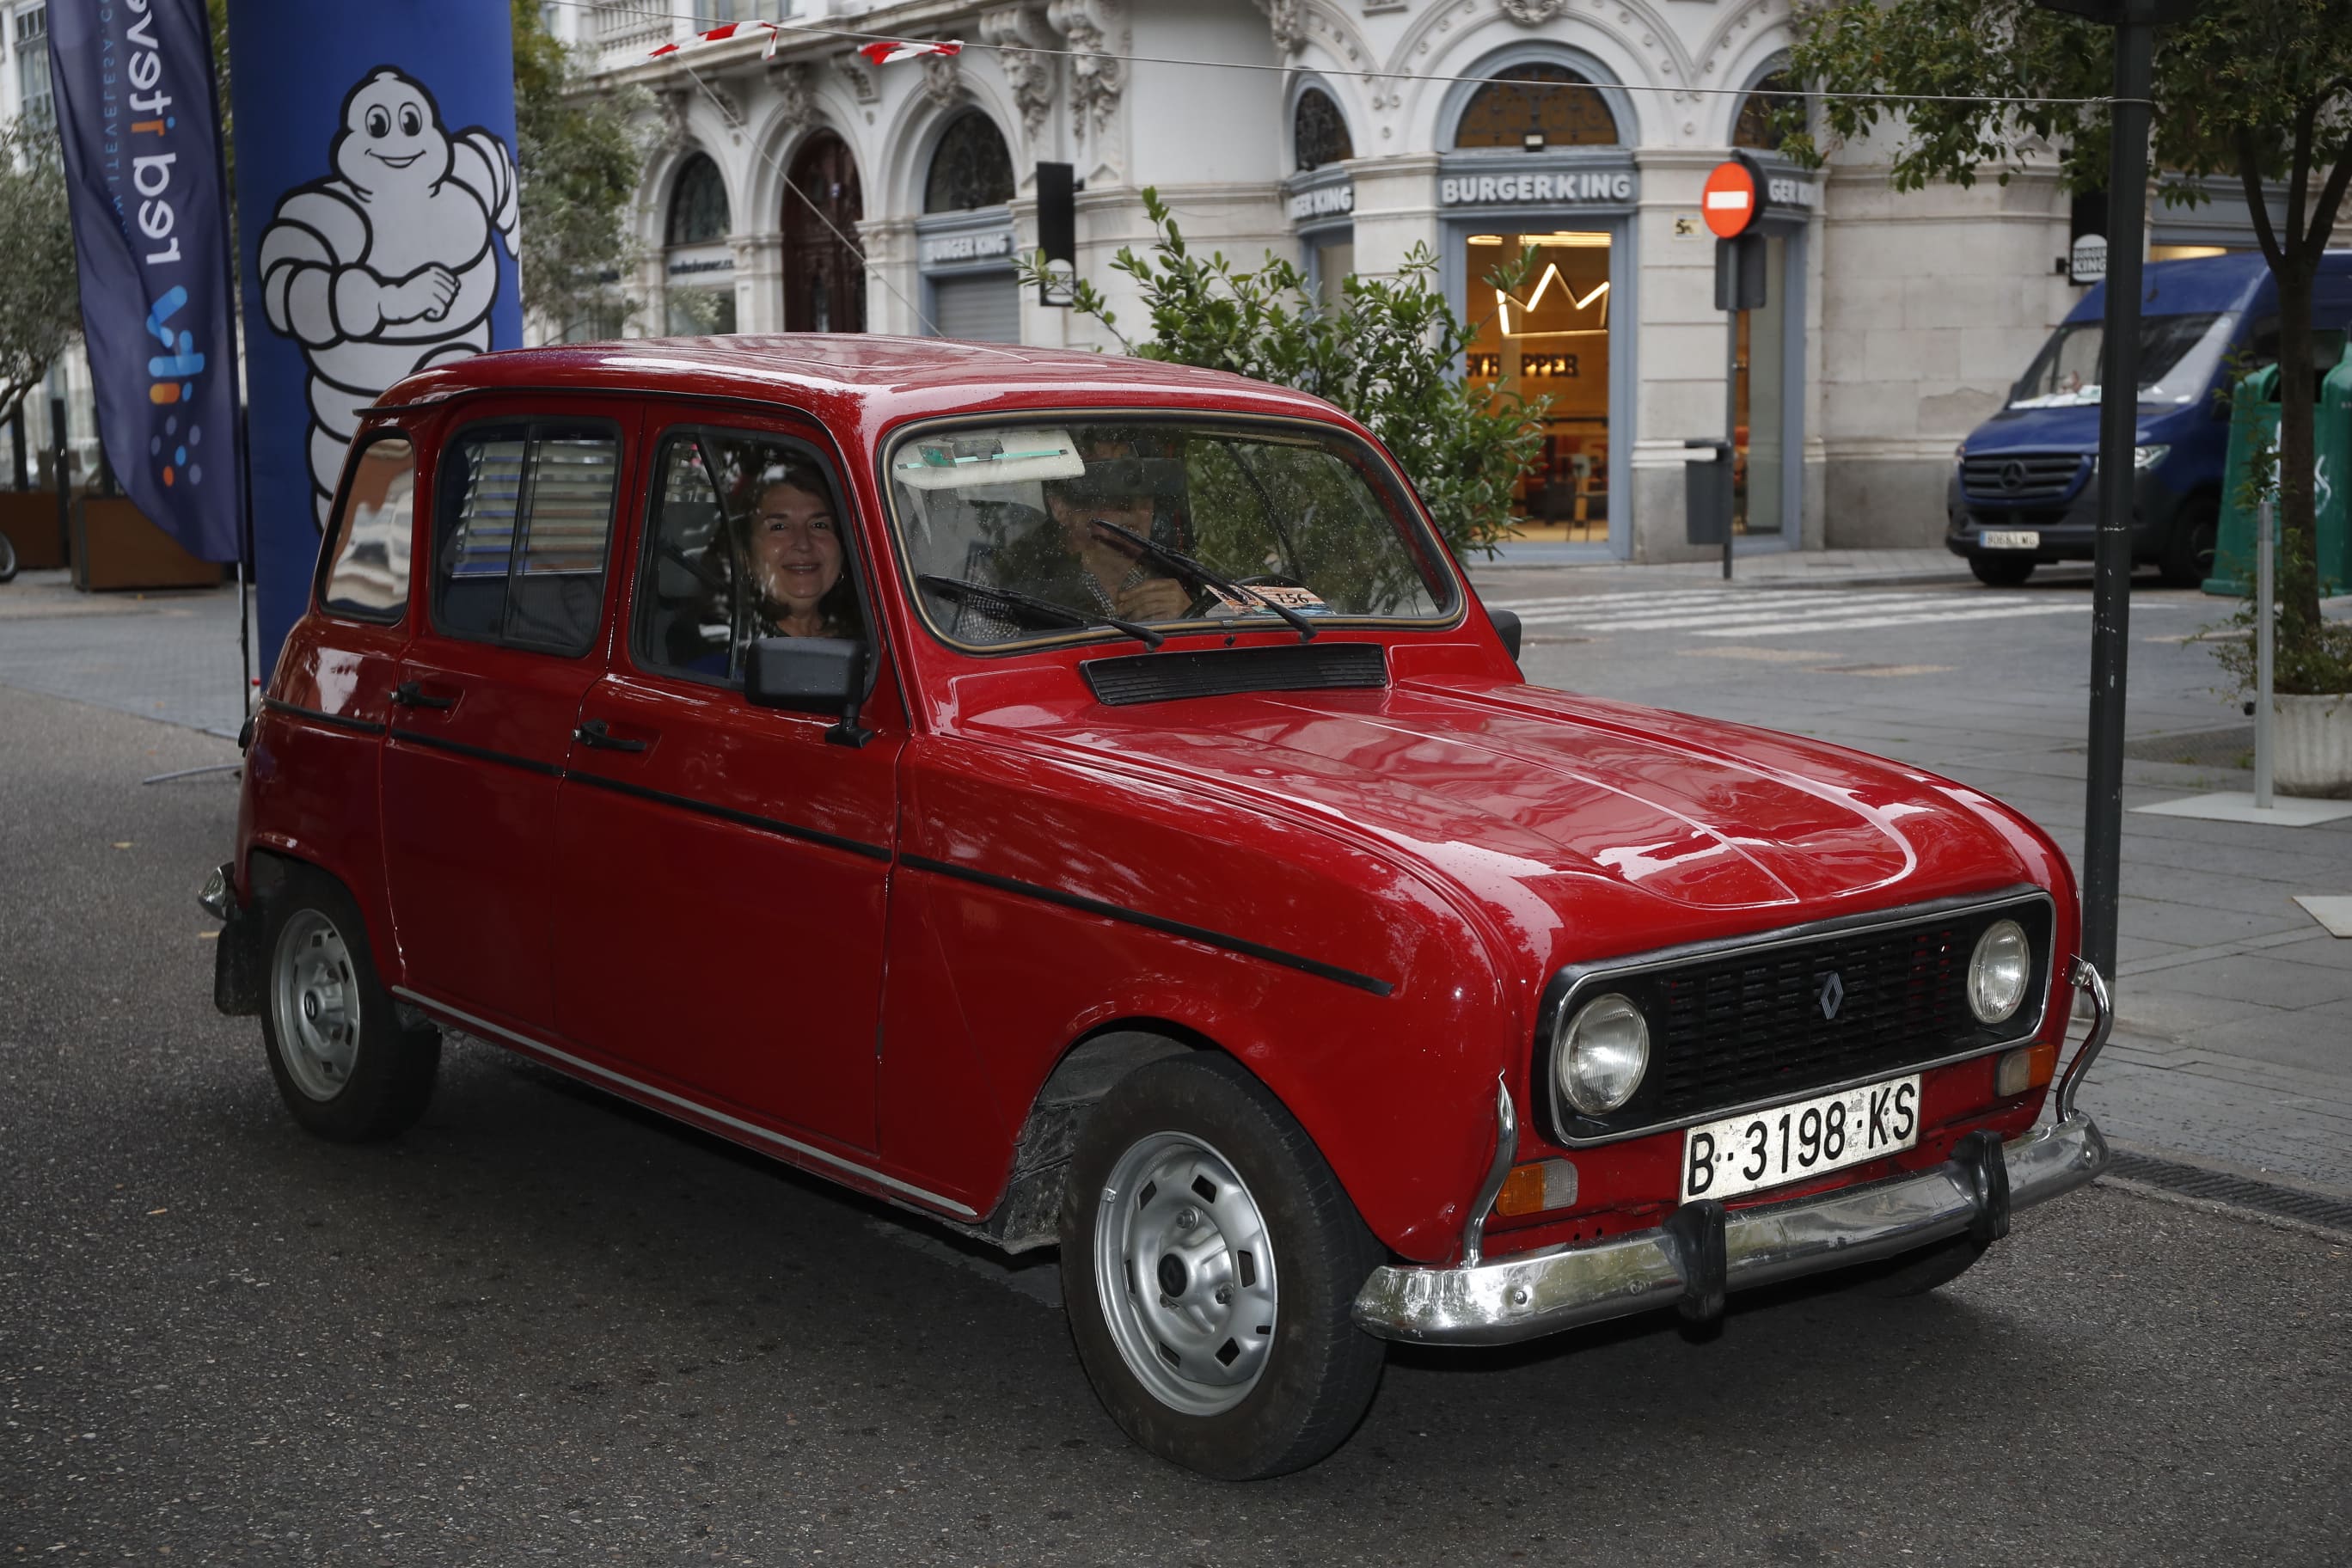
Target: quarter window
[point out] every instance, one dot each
(747, 538)
(368, 549)
(525, 516)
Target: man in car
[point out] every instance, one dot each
(1065, 557)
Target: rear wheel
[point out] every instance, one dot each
(7, 559)
(345, 1065)
(1209, 1262)
(2001, 570)
(2189, 552)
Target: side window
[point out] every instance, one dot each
(746, 540)
(367, 554)
(524, 520)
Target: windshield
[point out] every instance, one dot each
(1085, 523)
(2177, 357)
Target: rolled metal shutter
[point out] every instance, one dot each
(986, 309)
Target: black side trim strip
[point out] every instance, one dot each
(479, 754)
(728, 814)
(1201, 934)
(336, 720)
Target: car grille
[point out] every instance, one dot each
(2021, 476)
(1744, 1024)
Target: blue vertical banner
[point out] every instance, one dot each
(375, 181)
(133, 85)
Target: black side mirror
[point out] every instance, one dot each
(810, 675)
(1507, 626)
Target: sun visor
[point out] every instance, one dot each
(969, 460)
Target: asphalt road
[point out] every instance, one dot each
(547, 1327)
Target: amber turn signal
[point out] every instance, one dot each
(2029, 1067)
(1534, 1189)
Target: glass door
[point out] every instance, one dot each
(1549, 338)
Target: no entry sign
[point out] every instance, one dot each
(1732, 199)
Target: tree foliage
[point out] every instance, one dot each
(40, 304)
(2245, 91)
(578, 154)
(1387, 352)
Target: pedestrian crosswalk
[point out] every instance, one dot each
(1763, 612)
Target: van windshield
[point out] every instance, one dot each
(2177, 357)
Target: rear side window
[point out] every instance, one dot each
(524, 521)
(367, 554)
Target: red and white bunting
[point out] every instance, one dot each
(720, 35)
(886, 52)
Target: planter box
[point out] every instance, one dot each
(115, 549)
(2313, 745)
(29, 519)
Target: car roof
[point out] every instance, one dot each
(2237, 281)
(883, 377)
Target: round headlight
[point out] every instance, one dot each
(1998, 972)
(1601, 1054)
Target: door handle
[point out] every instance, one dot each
(594, 733)
(410, 694)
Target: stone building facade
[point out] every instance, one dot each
(811, 189)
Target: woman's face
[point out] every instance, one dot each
(794, 547)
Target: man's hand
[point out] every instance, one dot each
(1155, 599)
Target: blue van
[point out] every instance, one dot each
(2022, 492)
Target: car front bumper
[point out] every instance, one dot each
(1503, 1299)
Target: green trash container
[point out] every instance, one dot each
(2253, 423)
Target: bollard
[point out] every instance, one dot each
(2265, 639)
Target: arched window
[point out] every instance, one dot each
(1755, 126)
(1566, 111)
(697, 204)
(1317, 132)
(971, 168)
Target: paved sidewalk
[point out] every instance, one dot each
(1763, 566)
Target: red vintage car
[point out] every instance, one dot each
(1080, 801)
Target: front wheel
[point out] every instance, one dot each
(2189, 552)
(2001, 570)
(1209, 1262)
(345, 1065)
(7, 559)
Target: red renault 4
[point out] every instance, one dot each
(1080, 801)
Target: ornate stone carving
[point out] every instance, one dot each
(854, 70)
(795, 103)
(1031, 77)
(1534, 13)
(943, 80)
(1097, 76)
(1289, 20)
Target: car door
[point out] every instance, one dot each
(523, 500)
(725, 869)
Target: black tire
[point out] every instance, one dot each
(1318, 1371)
(1916, 1273)
(345, 1065)
(2189, 551)
(7, 559)
(2001, 570)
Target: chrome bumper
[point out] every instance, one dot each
(1533, 1293)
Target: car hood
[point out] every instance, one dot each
(1559, 812)
(2066, 428)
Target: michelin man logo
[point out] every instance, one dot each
(385, 266)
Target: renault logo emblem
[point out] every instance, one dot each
(2012, 475)
(1832, 994)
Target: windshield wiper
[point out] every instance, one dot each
(1194, 569)
(1056, 614)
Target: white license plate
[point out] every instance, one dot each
(2009, 538)
(1790, 1143)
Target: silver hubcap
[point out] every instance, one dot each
(1185, 1272)
(314, 1001)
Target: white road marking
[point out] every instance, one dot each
(1764, 613)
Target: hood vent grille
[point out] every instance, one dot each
(1226, 672)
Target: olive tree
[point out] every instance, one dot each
(1388, 350)
(2245, 91)
(40, 305)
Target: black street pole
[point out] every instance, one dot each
(2102, 809)
(57, 436)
